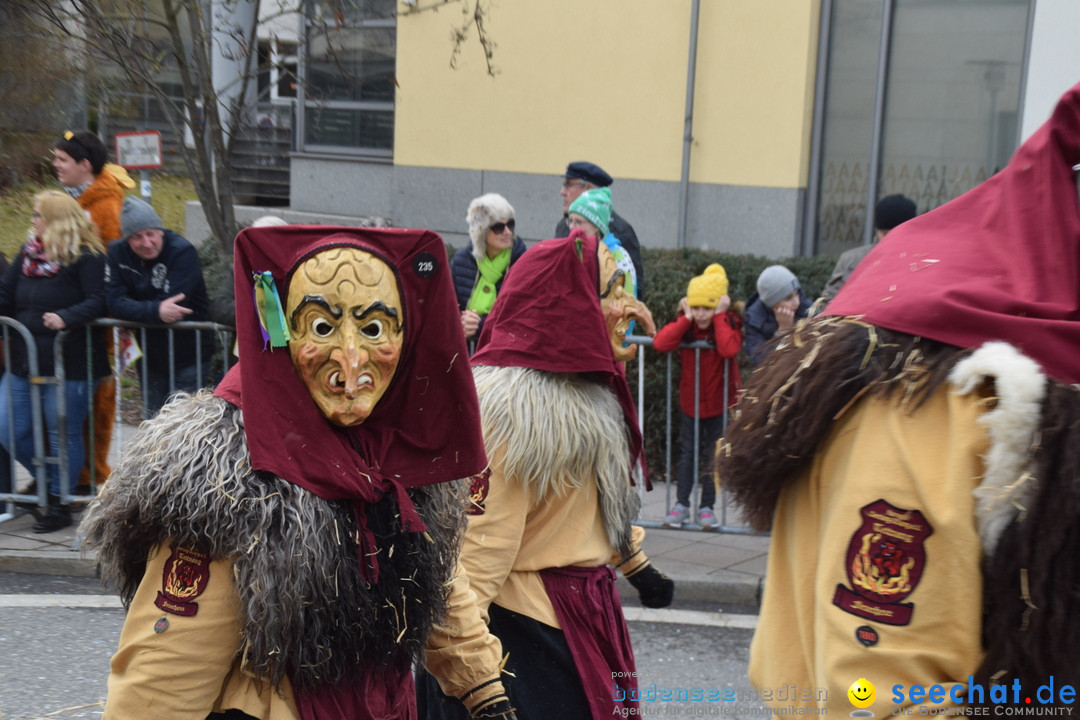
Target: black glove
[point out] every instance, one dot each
(499, 707)
(655, 589)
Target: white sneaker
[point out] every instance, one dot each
(678, 515)
(706, 519)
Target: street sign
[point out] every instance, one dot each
(139, 150)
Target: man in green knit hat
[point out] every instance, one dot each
(591, 212)
(583, 176)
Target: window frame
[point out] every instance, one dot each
(305, 104)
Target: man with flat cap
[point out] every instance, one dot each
(582, 176)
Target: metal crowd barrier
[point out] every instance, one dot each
(727, 517)
(45, 456)
(36, 382)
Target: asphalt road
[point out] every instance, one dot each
(54, 658)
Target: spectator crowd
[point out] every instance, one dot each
(152, 276)
(92, 252)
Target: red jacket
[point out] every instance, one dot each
(726, 332)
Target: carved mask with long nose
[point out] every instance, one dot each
(347, 325)
(620, 308)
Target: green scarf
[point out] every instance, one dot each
(491, 271)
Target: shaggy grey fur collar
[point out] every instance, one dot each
(560, 432)
(306, 612)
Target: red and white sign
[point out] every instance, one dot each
(139, 150)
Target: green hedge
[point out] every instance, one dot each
(667, 273)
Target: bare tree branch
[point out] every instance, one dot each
(143, 41)
(129, 36)
(460, 35)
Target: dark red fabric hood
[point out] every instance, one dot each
(425, 429)
(548, 317)
(1001, 262)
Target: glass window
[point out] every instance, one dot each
(352, 64)
(349, 128)
(952, 94)
(847, 132)
(349, 75)
(277, 70)
(352, 12)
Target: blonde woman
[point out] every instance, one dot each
(56, 282)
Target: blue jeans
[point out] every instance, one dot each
(709, 430)
(15, 395)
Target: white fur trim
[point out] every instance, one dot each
(1020, 386)
(484, 212)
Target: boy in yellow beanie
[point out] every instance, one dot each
(704, 314)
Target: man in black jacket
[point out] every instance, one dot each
(155, 278)
(581, 176)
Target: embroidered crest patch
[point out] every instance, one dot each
(183, 579)
(478, 492)
(885, 561)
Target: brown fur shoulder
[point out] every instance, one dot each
(808, 381)
(1032, 582)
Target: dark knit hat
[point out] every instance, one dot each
(84, 145)
(892, 210)
(589, 173)
(137, 215)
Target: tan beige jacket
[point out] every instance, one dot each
(183, 667)
(512, 535)
(875, 564)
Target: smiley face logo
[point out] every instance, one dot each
(862, 693)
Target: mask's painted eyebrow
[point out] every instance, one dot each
(314, 300)
(611, 283)
(377, 306)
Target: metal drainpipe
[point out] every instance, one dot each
(808, 241)
(877, 138)
(688, 138)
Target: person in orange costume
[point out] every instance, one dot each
(99, 187)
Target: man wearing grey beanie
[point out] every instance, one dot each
(772, 310)
(155, 278)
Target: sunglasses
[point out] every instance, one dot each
(498, 227)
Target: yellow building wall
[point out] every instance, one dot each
(605, 80)
(754, 96)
